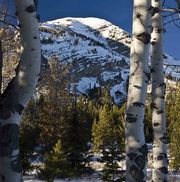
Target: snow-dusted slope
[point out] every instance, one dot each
(96, 51)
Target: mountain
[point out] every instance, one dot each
(96, 52)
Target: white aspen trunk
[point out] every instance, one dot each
(17, 94)
(160, 162)
(136, 148)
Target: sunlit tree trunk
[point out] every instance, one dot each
(17, 94)
(158, 98)
(136, 148)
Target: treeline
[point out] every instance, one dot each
(66, 130)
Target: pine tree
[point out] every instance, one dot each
(29, 135)
(173, 115)
(108, 138)
(63, 116)
(56, 164)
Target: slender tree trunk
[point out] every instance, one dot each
(136, 148)
(17, 94)
(160, 162)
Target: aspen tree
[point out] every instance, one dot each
(160, 162)
(20, 89)
(136, 148)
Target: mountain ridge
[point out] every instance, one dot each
(96, 51)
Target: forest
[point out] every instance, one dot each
(83, 100)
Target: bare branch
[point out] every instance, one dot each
(174, 10)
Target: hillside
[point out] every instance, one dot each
(96, 52)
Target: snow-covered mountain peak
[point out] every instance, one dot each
(96, 50)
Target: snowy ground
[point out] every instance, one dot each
(94, 178)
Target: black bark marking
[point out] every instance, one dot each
(9, 139)
(160, 112)
(138, 104)
(137, 86)
(132, 156)
(19, 108)
(163, 170)
(158, 30)
(161, 156)
(140, 161)
(138, 15)
(164, 139)
(163, 87)
(16, 164)
(130, 115)
(136, 174)
(20, 26)
(148, 76)
(144, 37)
(34, 37)
(162, 97)
(153, 106)
(156, 124)
(154, 11)
(153, 42)
(144, 150)
(9, 102)
(131, 119)
(31, 8)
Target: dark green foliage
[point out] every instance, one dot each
(173, 123)
(148, 121)
(29, 135)
(108, 138)
(57, 116)
(56, 164)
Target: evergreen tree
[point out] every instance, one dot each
(29, 135)
(56, 164)
(108, 138)
(173, 121)
(64, 116)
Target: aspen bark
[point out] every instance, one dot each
(160, 162)
(136, 148)
(17, 94)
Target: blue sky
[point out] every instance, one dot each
(119, 12)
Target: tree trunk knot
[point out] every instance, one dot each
(154, 10)
(144, 37)
(31, 8)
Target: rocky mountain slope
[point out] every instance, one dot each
(96, 52)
